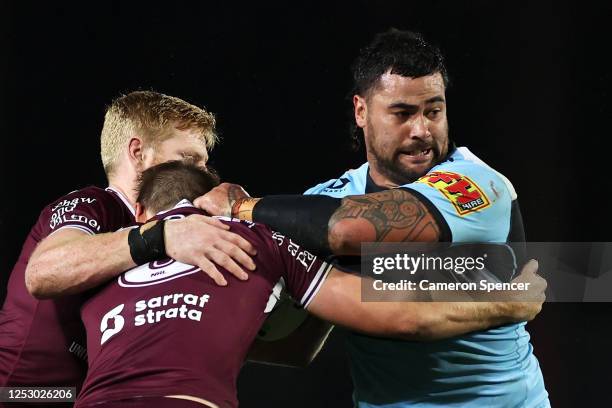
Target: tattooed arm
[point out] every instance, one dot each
(388, 216)
(395, 215)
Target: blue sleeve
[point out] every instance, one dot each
(472, 199)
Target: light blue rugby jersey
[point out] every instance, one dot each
(492, 368)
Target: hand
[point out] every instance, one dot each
(529, 303)
(199, 240)
(220, 199)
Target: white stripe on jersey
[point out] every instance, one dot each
(123, 198)
(315, 285)
(79, 227)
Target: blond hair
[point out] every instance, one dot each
(151, 116)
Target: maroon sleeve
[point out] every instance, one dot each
(304, 273)
(92, 210)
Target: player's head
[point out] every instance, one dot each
(162, 186)
(144, 128)
(400, 104)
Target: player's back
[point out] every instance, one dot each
(42, 341)
(166, 328)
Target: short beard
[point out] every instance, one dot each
(397, 173)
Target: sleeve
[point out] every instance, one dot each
(90, 210)
(304, 273)
(472, 201)
(318, 188)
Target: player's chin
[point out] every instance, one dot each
(415, 169)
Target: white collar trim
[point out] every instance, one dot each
(123, 198)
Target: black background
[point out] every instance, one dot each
(529, 95)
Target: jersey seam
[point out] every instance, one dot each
(446, 233)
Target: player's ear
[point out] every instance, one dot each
(135, 151)
(361, 110)
(141, 215)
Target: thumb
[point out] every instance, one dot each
(531, 267)
(203, 203)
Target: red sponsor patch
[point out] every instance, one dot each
(460, 190)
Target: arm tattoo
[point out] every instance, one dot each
(396, 215)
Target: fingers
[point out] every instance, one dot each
(227, 252)
(241, 243)
(237, 253)
(208, 243)
(542, 284)
(225, 261)
(211, 270)
(218, 200)
(238, 191)
(216, 223)
(206, 204)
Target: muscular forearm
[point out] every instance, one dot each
(325, 224)
(74, 262)
(440, 320)
(406, 317)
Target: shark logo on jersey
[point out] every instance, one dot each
(337, 185)
(156, 272)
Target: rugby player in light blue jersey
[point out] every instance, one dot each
(445, 194)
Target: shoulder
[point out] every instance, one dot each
(87, 195)
(468, 159)
(472, 198)
(352, 181)
(469, 182)
(91, 209)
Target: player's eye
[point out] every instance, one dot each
(434, 113)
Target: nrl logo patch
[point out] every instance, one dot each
(460, 190)
(156, 272)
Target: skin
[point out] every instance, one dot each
(402, 117)
(339, 301)
(406, 134)
(71, 261)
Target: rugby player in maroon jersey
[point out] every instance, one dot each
(162, 334)
(74, 246)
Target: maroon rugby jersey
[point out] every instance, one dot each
(42, 341)
(165, 328)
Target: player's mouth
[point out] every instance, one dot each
(418, 155)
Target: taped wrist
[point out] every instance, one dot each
(303, 218)
(147, 242)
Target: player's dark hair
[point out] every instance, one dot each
(162, 186)
(399, 52)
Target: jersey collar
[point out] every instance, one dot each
(123, 198)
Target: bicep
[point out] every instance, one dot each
(395, 215)
(59, 238)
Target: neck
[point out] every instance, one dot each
(126, 186)
(125, 180)
(126, 191)
(379, 179)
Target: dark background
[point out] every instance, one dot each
(529, 95)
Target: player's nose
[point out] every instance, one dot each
(419, 128)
